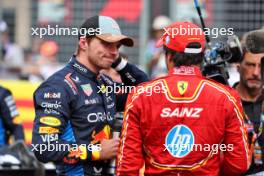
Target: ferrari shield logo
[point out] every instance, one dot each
(87, 89)
(182, 86)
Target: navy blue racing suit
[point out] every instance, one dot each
(74, 107)
(9, 125)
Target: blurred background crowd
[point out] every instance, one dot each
(29, 57)
(26, 60)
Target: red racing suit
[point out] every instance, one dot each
(183, 124)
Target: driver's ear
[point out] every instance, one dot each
(238, 66)
(83, 43)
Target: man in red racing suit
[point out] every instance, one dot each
(183, 124)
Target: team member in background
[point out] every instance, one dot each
(250, 88)
(189, 125)
(10, 123)
(74, 107)
(155, 59)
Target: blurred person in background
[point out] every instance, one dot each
(11, 128)
(12, 54)
(75, 108)
(156, 64)
(10, 122)
(250, 89)
(232, 67)
(185, 110)
(40, 67)
(48, 62)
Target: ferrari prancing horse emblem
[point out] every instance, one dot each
(182, 86)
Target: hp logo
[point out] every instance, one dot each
(179, 141)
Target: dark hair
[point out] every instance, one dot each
(244, 51)
(184, 59)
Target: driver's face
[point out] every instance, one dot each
(250, 70)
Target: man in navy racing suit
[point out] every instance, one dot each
(75, 107)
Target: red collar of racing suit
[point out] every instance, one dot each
(185, 70)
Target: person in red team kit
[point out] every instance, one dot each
(188, 125)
